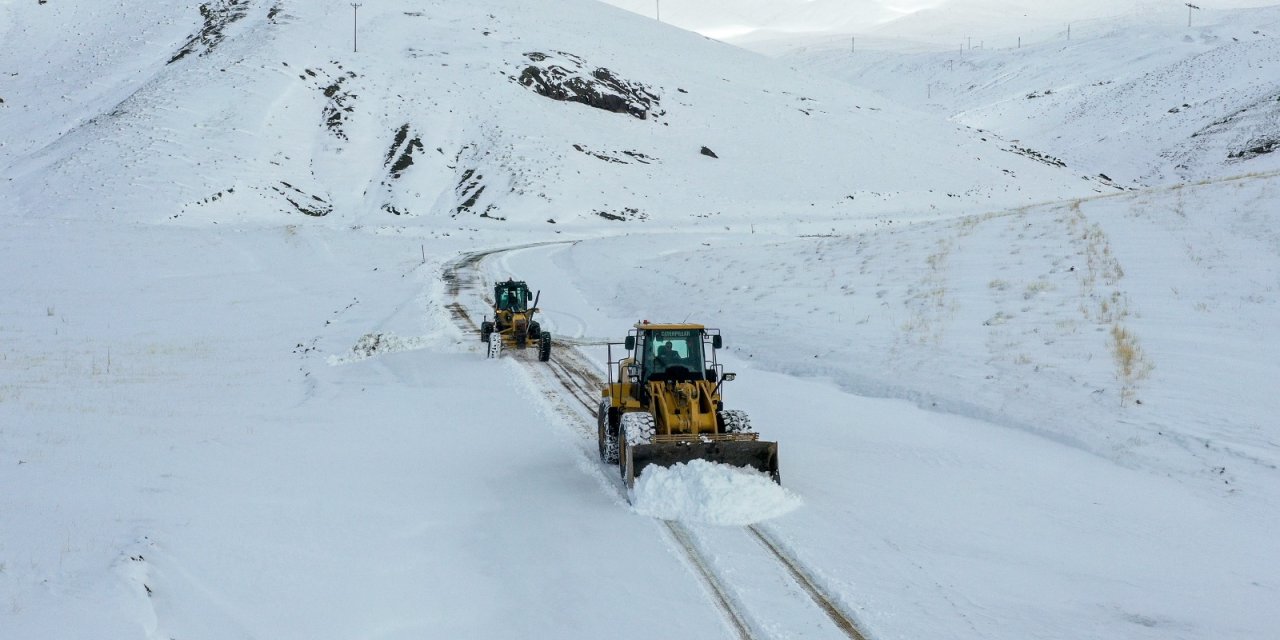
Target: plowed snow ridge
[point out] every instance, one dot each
(702, 491)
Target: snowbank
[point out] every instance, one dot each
(710, 492)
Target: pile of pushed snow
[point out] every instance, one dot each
(710, 492)
(372, 344)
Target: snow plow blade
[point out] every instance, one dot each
(762, 456)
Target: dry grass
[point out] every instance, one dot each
(1036, 288)
(1102, 272)
(1131, 364)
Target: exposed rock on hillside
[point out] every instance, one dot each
(624, 214)
(631, 156)
(1248, 132)
(1036, 155)
(338, 99)
(303, 202)
(1256, 148)
(564, 76)
(470, 187)
(217, 17)
(402, 150)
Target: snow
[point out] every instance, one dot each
(702, 491)
(1144, 100)
(1012, 400)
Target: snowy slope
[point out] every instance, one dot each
(943, 22)
(272, 115)
(182, 460)
(1140, 99)
(721, 18)
(1094, 454)
(1056, 320)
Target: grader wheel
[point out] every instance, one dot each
(495, 344)
(544, 346)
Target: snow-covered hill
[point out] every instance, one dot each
(241, 395)
(938, 21)
(728, 18)
(439, 117)
(1138, 99)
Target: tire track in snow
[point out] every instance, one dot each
(574, 373)
(709, 578)
(806, 581)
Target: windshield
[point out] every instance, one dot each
(679, 349)
(513, 298)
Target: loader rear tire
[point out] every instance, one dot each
(607, 434)
(544, 346)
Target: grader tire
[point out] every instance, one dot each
(544, 346)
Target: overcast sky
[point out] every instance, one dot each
(729, 18)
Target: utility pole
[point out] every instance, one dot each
(355, 14)
(1068, 30)
(1190, 8)
(657, 4)
(970, 41)
(853, 44)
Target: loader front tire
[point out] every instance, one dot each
(734, 421)
(486, 328)
(635, 428)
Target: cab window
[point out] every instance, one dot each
(664, 350)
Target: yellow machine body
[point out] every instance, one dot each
(513, 326)
(663, 405)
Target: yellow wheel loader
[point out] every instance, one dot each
(513, 326)
(663, 405)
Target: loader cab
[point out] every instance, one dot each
(671, 354)
(512, 295)
(691, 357)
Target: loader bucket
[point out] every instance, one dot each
(762, 456)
